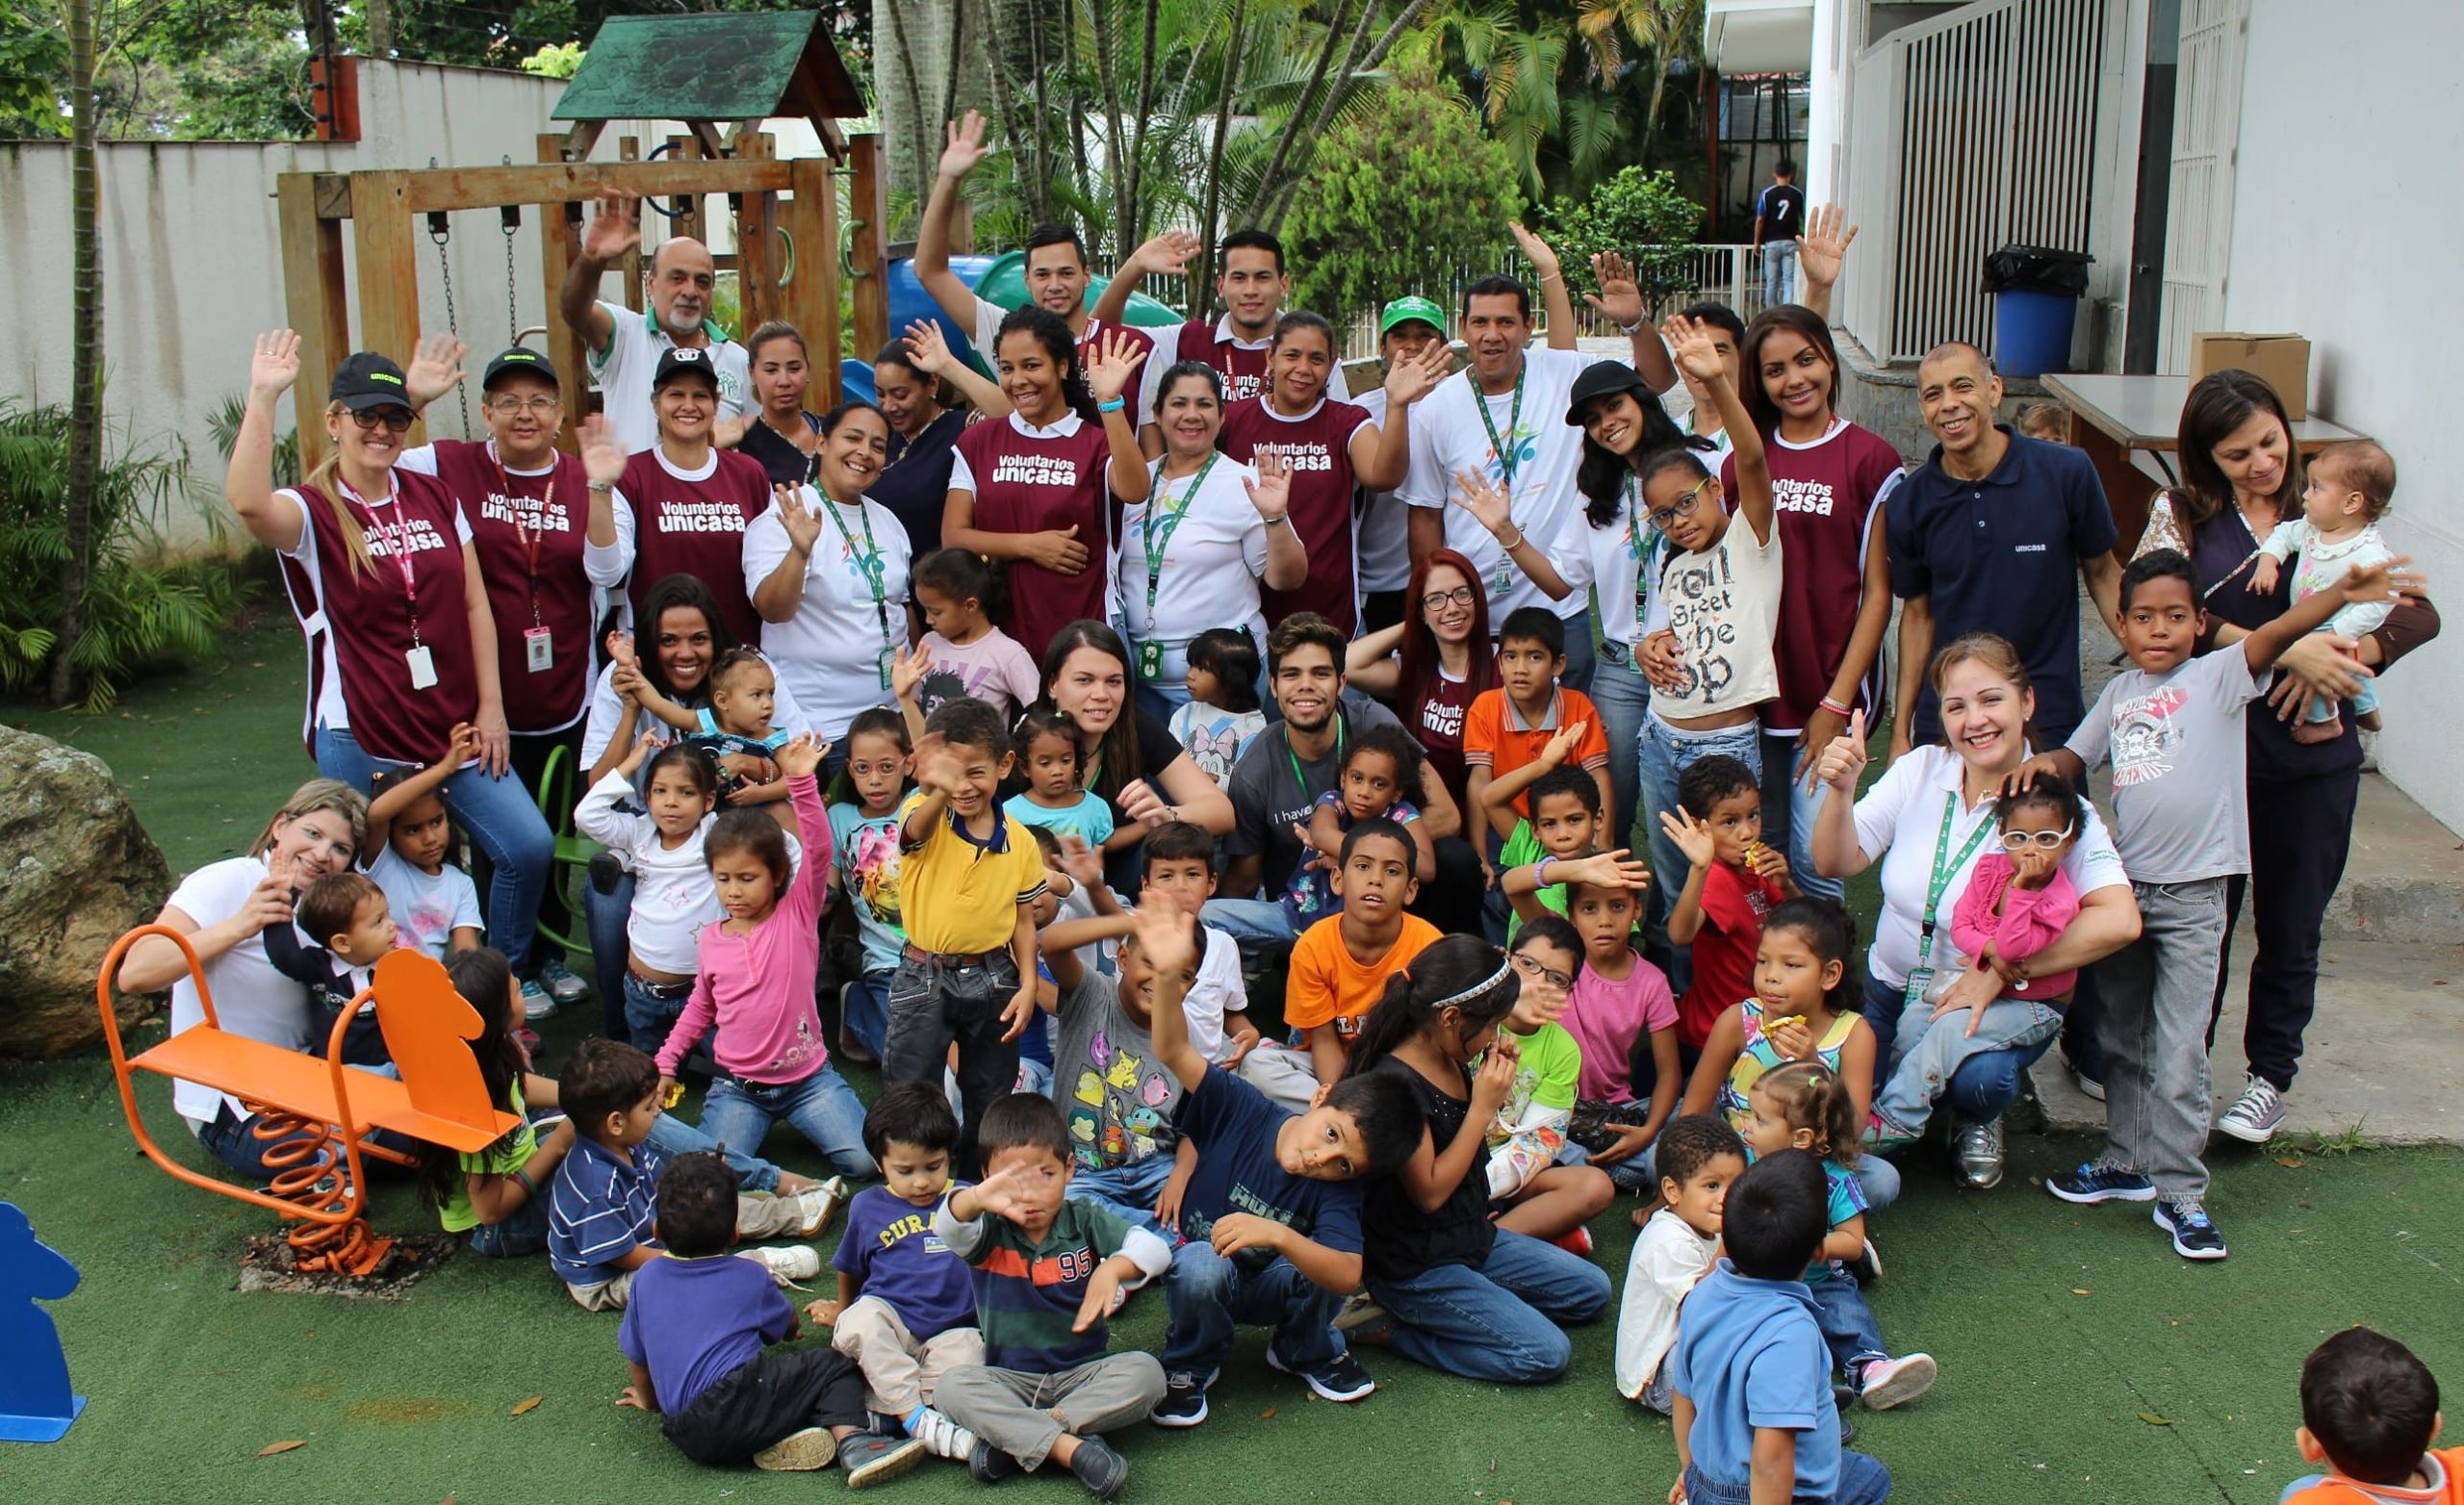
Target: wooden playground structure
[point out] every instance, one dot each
(721, 76)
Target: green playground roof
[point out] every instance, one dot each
(710, 68)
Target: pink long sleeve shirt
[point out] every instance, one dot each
(2030, 921)
(758, 986)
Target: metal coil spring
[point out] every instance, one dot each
(308, 1170)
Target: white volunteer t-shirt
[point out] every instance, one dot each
(624, 368)
(1899, 819)
(331, 711)
(1212, 561)
(607, 713)
(1609, 561)
(426, 909)
(1449, 436)
(1381, 541)
(1723, 603)
(834, 649)
(251, 1000)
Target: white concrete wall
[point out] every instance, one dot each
(2336, 234)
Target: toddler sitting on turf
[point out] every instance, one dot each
(1698, 1159)
(694, 1339)
(2370, 1412)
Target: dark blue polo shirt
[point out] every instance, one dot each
(2002, 556)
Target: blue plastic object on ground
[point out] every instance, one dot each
(36, 1404)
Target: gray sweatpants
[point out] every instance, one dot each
(2157, 992)
(1023, 1414)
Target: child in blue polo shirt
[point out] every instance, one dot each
(1750, 1370)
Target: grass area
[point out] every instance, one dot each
(2082, 1361)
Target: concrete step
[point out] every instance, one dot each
(2403, 877)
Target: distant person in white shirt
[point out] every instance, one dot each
(624, 347)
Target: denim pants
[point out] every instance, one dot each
(1788, 811)
(864, 1012)
(2158, 1084)
(526, 1231)
(1661, 754)
(1250, 920)
(1928, 1051)
(1623, 696)
(606, 915)
(1862, 1481)
(1848, 1325)
(1582, 658)
(1161, 697)
(1128, 1191)
(1981, 1086)
(673, 1136)
(648, 1017)
(823, 1108)
(1499, 1320)
(503, 821)
(936, 1001)
(1779, 272)
(2296, 860)
(229, 1138)
(1208, 1296)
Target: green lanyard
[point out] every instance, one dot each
(1150, 650)
(1505, 453)
(868, 562)
(1299, 779)
(1645, 547)
(1943, 868)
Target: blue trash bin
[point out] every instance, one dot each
(2032, 332)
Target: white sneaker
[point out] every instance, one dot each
(2254, 1116)
(820, 1204)
(941, 1437)
(788, 1263)
(802, 1452)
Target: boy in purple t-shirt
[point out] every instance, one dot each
(694, 1337)
(905, 1307)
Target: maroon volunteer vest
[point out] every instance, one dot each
(529, 531)
(695, 528)
(1244, 371)
(1025, 485)
(1318, 448)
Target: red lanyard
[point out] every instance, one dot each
(396, 535)
(530, 538)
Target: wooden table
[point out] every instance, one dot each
(2112, 415)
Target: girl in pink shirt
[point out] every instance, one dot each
(754, 979)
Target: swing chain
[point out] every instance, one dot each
(440, 231)
(512, 219)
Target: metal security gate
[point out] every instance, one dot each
(2207, 122)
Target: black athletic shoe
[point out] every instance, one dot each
(1341, 1379)
(1184, 1402)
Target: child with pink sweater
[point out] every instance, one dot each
(753, 977)
(2018, 903)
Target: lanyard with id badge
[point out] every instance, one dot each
(538, 643)
(1150, 650)
(1921, 976)
(1505, 452)
(869, 563)
(396, 535)
(1642, 541)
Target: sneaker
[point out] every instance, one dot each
(1104, 1473)
(801, 1452)
(819, 1205)
(1885, 1138)
(2254, 1116)
(560, 982)
(1867, 1265)
(2088, 1085)
(1341, 1379)
(1895, 1382)
(941, 1437)
(607, 871)
(788, 1263)
(1184, 1402)
(536, 1003)
(2097, 1182)
(1359, 1311)
(987, 1463)
(870, 1459)
(2195, 1235)
(1977, 1150)
(1575, 1240)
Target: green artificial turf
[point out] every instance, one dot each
(2082, 1361)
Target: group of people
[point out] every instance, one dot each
(1155, 677)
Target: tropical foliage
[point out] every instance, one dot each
(1638, 214)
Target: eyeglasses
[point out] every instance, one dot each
(395, 419)
(1460, 595)
(543, 404)
(1533, 967)
(1684, 507)
(2023, 840)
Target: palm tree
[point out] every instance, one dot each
(84, 346)
(1667, 29)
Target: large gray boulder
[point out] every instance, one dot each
(76, 872)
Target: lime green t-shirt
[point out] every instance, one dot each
(1545, 1075)
(1522, 850)
(501, 1158)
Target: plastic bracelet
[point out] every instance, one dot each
(1113, 406)
(1517, 544)
(1834, 707)
(1540, 872)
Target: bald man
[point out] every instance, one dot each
(624, 347)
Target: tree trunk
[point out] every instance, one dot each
(381, 28)
(1132, 233)
(919, 130)
(1115, 149)
(1364, 55)
(85, 348)
(1294, 125)
(1201, 282)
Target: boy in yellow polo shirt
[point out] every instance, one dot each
(967, 876)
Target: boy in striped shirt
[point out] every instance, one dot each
(1048, 1272)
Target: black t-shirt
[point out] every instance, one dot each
(1403, 1240)
(788, 465)
(1783, 211)
(915, 483)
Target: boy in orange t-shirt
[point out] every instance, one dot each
(1514, 734)
(2370, 1413)
(1340, 965)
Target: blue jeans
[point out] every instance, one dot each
(606, 915)
(1928, 1051)
(1128, 1191)
(228, 1140)
(501, 819)
(1208, 1296)
(1500, 1321)
(1661, 754)
(1161, 697)
(1848, 1325)
(1779, 272)
(823, 1108)
(648, 1019)
(1250, 919)
(1582, 656)
(1981, 1087)
(1788, 811)
(673, 1136)
(1862, 1481)
(526, 1231)
(864, 1012)
(1622, 694)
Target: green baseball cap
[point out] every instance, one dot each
(1405, 308)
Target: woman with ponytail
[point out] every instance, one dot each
(1462, 1295)
(384, 579)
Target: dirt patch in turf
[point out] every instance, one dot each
(267, 1266)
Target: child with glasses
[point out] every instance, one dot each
(2018, 902)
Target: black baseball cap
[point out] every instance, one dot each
(367, 380)
(521, 358)
(1602, 379)
(684, 360)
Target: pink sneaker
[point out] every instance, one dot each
(1895, 1382)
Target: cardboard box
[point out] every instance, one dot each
(2282, 361)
